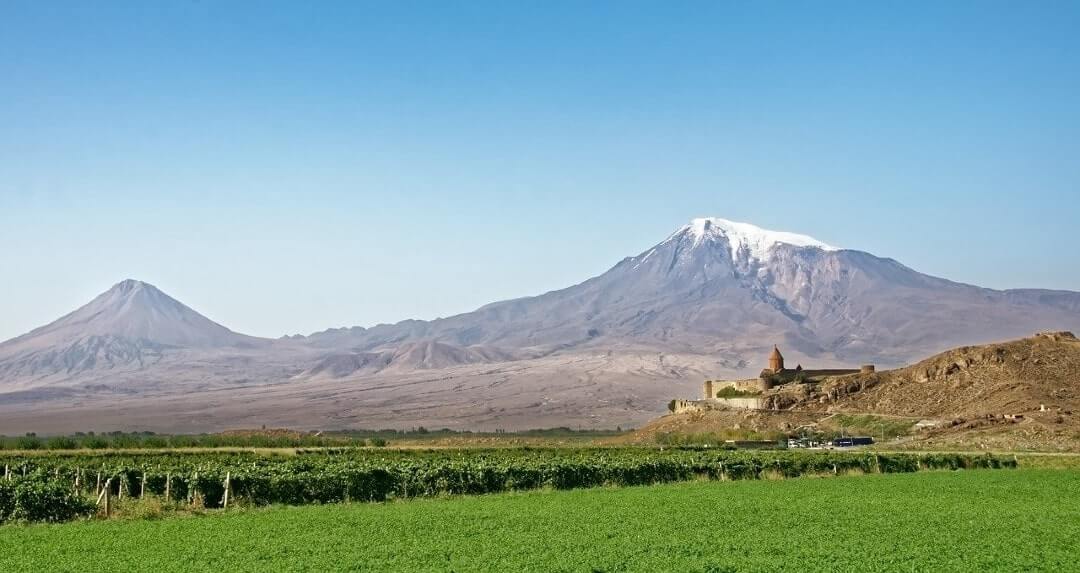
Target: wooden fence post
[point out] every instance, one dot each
(195, 488)
(168, 484)
(97, 486)
(106, 494)
(142, 486)
(228, 486)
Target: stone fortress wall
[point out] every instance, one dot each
(774, 375)
(684, 406)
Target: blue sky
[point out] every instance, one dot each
(287, 167)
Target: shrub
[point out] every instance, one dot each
(732, 392)
(7, 500)
(33, 500)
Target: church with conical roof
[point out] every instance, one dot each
(747, 393)
(777, 374)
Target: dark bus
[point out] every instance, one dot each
(853, 441)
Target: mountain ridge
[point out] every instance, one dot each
(703, 263)
(713, 287)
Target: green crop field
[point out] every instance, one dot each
(977, 520)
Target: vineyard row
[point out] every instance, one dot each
(56, 488)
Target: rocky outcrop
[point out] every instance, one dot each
(1032, 374)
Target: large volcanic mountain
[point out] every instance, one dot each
(716, 286)
(708, 300)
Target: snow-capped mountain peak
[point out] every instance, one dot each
(757, 241)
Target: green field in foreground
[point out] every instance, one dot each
(975, 520)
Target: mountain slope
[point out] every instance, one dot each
(422, 355)
(130, 325)
(716, 286)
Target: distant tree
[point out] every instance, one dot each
(61, 443)
(28, 442)
(95, 443)
(155, 442)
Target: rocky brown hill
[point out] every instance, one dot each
(1041, 373)
(1017, 395)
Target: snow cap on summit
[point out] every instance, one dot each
(757, 241)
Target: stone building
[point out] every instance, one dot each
(746, 394)
(776, 374)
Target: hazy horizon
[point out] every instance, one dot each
(286, 169)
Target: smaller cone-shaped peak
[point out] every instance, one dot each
(136, 311)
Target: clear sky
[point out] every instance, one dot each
(287, 167)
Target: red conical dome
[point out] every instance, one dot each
(776, 360)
